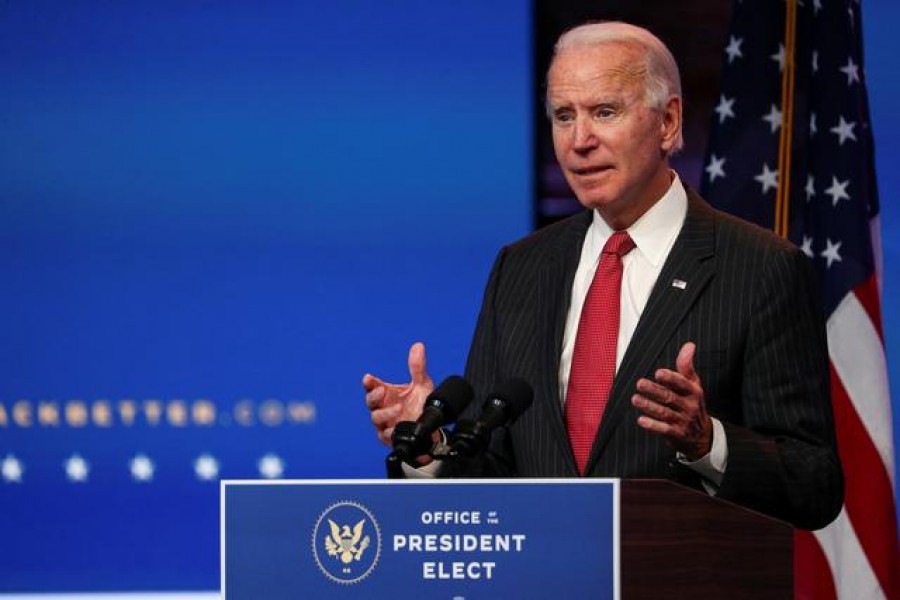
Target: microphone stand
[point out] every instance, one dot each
(394, 465)
(408, 444)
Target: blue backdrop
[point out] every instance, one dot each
(215, 217)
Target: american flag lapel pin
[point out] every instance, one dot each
(679, 283)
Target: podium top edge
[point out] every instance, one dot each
(507, 481)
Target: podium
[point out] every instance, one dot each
(677, 542)
(511, 538)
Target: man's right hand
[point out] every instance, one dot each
(391, 403)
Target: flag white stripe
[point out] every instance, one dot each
(853, 575)
(858, 358)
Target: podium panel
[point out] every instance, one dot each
(454, 539)
(695, 546)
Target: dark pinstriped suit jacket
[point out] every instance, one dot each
(749, 304)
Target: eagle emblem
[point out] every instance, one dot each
(346, 544)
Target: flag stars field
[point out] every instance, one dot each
(807, 246)
(773, 118)
(844, 131)
(810, 188)
(725, 108)
(838, 190)
(851, 70)
(779, 57)
(715, 168)
(830, 253)
(733, 50)
(768, 179)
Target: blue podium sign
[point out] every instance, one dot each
(454, 539)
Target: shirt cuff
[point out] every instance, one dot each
(712, 466)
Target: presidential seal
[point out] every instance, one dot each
(346, 542)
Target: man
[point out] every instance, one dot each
(709, 324)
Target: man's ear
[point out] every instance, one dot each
(670, 124)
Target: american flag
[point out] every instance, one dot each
(791, 149)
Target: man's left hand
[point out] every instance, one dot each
(673, 406)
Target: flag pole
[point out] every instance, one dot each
(783, 193)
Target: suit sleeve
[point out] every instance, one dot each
(483, 372)
(783, 460)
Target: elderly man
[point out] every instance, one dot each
(662, 338)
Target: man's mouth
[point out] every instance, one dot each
(588, 171)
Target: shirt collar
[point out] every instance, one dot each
(655, 231)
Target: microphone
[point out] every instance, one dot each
(503, 406)
(442, 406)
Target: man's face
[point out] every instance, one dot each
(610, 145)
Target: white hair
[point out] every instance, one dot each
(659, 72)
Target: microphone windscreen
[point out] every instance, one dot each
(453, 394)
(516, 394)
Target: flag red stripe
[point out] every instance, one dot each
(869, 498)
(867, 294)
(813, 579)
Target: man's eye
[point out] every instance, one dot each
(605, 113)
(562, 116)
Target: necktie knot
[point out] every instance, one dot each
(619, 243)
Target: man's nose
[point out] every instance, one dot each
(585, 139)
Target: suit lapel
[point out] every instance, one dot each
(554, 296)
(669, 302)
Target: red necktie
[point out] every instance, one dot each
(594, 357)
